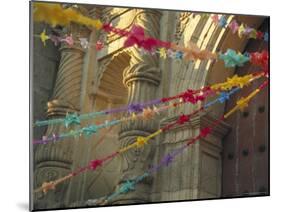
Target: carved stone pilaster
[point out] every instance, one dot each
(200, 172)
(142, 78)
(54, 160)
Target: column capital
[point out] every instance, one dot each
(142, 72)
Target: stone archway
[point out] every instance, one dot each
(198, 172)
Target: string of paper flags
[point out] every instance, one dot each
(130, 184)
(146, 113)
(69, 40)
(54, 14)
(188, 96)
(141, 141)
(94, 164)
(240, 29)
(231, 58)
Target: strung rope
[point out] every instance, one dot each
(243, 102)
(236, 81)
(148, 113)
(191, 96)
(230, 57)
(136, 37)
(129, 185)
(166, 160)
(54, 14)
(69, 40)
(131, 108)
(86, 131)
(240, 29)
(145, 114)
(140, 142)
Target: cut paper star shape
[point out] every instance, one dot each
(223, 97)
(167, 160)
(107, 27)
(183, 118)
(205, 131)
(170, 53)
(237, 81)
(137, 37)
(247, 30)
(222, 21)
(241, 30)
(140, 178)
(135, 108)
(84, 43)
(90, 130)
(245, 80)
(71, 119)
(94, 164)
(253, 34)
(69, 40)
(193, 52)
(55, 137)
(141, 141)
(134, 116)
(148, 113)
(129, 185)
(242, 103)
(162, 52)
(45, 139)
(265, 36)
(153, 52)
(46, 186)
(232, 59)
(99, 45)
(44, 37)
(215, 18)
(233, 26)
(260, 59)
(155, 109)
(179, 55)
(201, 97)
(188, 96)
(233, 81)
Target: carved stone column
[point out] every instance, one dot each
(142, 78)
(55, 160)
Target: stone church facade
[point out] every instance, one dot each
(71, 79)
